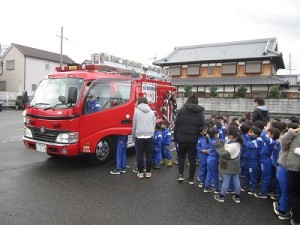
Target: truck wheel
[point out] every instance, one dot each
(17, 106)
(103, 152)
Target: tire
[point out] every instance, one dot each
(17, 106)
(104, 151)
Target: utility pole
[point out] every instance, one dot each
(61, 44)
(290, 63)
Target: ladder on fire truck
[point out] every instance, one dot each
(113, 64)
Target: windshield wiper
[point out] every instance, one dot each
(54, 106)
(40, 103)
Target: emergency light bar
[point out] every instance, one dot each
(78, 67)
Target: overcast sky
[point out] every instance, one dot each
(142, 29)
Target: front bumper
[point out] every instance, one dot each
(52, 148)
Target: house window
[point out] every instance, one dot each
(2, 85)
(193, 70)
(253, 67)
(175, 70)
(229, 68)
(211, 70)
(47, 66)
(10, 64)
(33, 87)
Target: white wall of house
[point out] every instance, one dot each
(37, 70)
(14, 78)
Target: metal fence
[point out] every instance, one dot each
(9, 98)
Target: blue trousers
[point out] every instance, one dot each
(236, 182)
(251, 174)
(165, 153)
(202, 167)
(156, 156)
(212, 172)
(282, 177)
(266, 168)
(121, 156)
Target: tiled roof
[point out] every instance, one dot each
(253, 80)
(229, 51)
(292, 79)
(41, 54)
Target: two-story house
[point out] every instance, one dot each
(22, 67)
(227, 66)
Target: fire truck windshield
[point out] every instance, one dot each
(50, 92)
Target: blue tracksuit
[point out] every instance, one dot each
(202, 144)
(275, 155)
(156, 153)
(252, 161)
(221, 134)
(212, 166)
(282, 178)
(166, 141)
(243, 150)
(121, 151)
(266, 162)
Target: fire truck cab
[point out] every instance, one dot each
(80, 111)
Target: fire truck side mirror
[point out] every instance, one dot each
(72, 95)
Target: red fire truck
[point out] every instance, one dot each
(59, 123)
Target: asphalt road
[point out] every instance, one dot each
(38, 189)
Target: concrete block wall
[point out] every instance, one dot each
(282, 108)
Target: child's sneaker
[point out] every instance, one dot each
(135, 170)
(170, 163)
(180, 178)
(123, 170)
(281, 215)
(208, 190)
(163, 162)
(201, 185)
(115, 172)
(156, 167)
(244, 189)
(236, 199)
(260, 195)
(216, 191)
(251, 192)
(292, 222)
(275, 197)
(190, 181)
(148, 175)
(140, 175)
(219, 198)
(175, 162)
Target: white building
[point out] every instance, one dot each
(22, 67)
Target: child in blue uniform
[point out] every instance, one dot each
(121, 155)
(251, 159)
(212, 163)
(157, 140)
(165, 145)
(269, 138)
(244, 129)
(202, 152)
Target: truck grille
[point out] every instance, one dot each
(47, 135)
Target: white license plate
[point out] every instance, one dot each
(41, 147)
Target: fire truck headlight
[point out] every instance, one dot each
(27, 132)
(67, 138)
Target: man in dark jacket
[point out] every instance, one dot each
(260, 112)
(189, 119)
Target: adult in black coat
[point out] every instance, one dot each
(189, 119)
